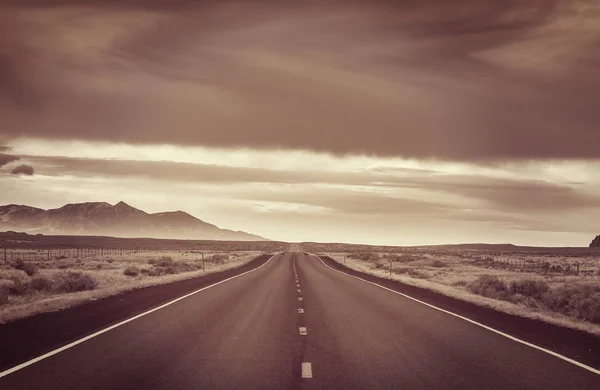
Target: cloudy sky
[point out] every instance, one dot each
(369, 121)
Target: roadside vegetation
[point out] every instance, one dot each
(31, 287)
(559, 287)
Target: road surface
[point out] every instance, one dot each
(294, 323)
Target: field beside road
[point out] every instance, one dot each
(559, 286)
(38, 276)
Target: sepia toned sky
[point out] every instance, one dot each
(368, 121)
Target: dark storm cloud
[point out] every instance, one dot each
(467, 80)
(23, 170)
(7, 158)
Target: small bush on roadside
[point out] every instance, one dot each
(365, 256)
(30, 269)
(41, 283)
(131, 271)
(61, 257)
(169, 270)
(579, 301)
(20, 286)
(182, 266)
(489, 286)
(417, 274)
(5, 286)
(165, 261)
(110, 260)
(155, 272)
(75, 281)
(218, 259)
(406, 258)
(19, 264)
(438, 264)
(529, 288)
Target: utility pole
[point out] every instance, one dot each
(390, 268)
(203, 262)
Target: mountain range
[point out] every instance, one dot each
(120, 220)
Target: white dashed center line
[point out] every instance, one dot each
(300, 299)
(307, 370)
(299, 290)
(301, 311)
(303, 331)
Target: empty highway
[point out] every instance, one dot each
(295, 323)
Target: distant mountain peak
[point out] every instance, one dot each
(123, 220)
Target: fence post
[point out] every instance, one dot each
(203, 262)
(390, 268)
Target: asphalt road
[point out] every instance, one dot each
(246, 333)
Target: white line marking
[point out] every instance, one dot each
(298, 290)
(569, 360)
(306, 370)
(301, 311)
(299, 298)
(98, 333)
(303, 331)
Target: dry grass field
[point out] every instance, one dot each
(38, 281)
(559, 286)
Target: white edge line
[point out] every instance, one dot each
(84, 339)
(518, 340)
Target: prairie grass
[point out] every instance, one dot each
(63, 281)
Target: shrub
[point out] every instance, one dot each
(579, 301)
(182, 267)
(61, 257)
(529, 288)
(110, 260)
(19, 286)
(412, 272)
(41, 283)
(75, 281)
(365, 256)
(165, 261)
(5, 286)
(408, 258)
(131, 271)
(19, 264)
(417, 274)
(169, 270)
(218, 259)
(155, 272)
(30, 269)
(438, 264)
(489, 286)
